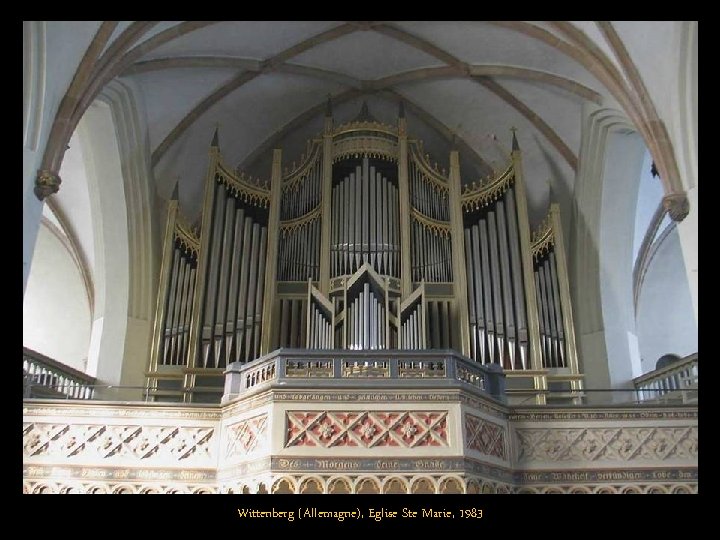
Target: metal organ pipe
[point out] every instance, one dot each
(516, 265)
(505, 271)
(226, 253)
(259, 292)
(385, 214)
(179, 302)
(471, 295)
(558, 308)
(542, 308)
(172, 313)
(479, 283)
(551, 311)
(212, 276)
(237, 255)
(252, 285)
(487, 293)
(357, 239)
(170, 305)
(242, 291)
(188, 314)
(497, 293)
(371, 213)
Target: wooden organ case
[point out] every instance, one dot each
(363, 245)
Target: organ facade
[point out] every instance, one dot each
(364, 245)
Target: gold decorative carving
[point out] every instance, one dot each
(365, 145)
(46, 183)
(677, 206)
(543, 238)
(297, 175)
(251, 190)
(363, 126)
(479, 194)
(437, 179)
(441, 228)
(187, 235)
(289, 226)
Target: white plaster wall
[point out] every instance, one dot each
(56, 313)
(107, 200)
(665, 321)
(73, 201)
(623, 161)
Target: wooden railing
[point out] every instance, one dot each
(358, 369)
(678, 381)
(44, 377)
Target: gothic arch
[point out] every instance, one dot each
(340, 485)
(394, 485)
(311, 485)
(423, 485)
(451, 485)
(367, 485)
(283, 485)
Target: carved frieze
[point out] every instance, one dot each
(607, 444)
(485, 437)
(366, 429)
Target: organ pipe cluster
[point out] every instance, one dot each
(363, 245)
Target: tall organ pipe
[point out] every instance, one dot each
(487, 293)
(471, 295)
(188, 314)
(551, 311)
(252, 285)
(220, 313)
(243, 291)
(516, 265)
(558, 308)
(170, 305)
(175, 341)
(259, 294)
(506, 271)
(479, 283)
(497, 293)
(212, 276)
(544, 327)
(237, 254)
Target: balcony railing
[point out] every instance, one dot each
(675, 382)
(44, 377)
(396, 368)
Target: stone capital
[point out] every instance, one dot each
(677, 206)
(47, 182)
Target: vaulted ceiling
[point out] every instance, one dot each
(265, 84)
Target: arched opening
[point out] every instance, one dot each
(57, 306)
(664, 317)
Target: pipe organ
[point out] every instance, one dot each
(363, 245)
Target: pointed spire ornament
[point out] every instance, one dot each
(216, 140)
(515, 145)
(401, 109)
(364, 115)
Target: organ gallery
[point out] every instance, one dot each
(364, 245)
